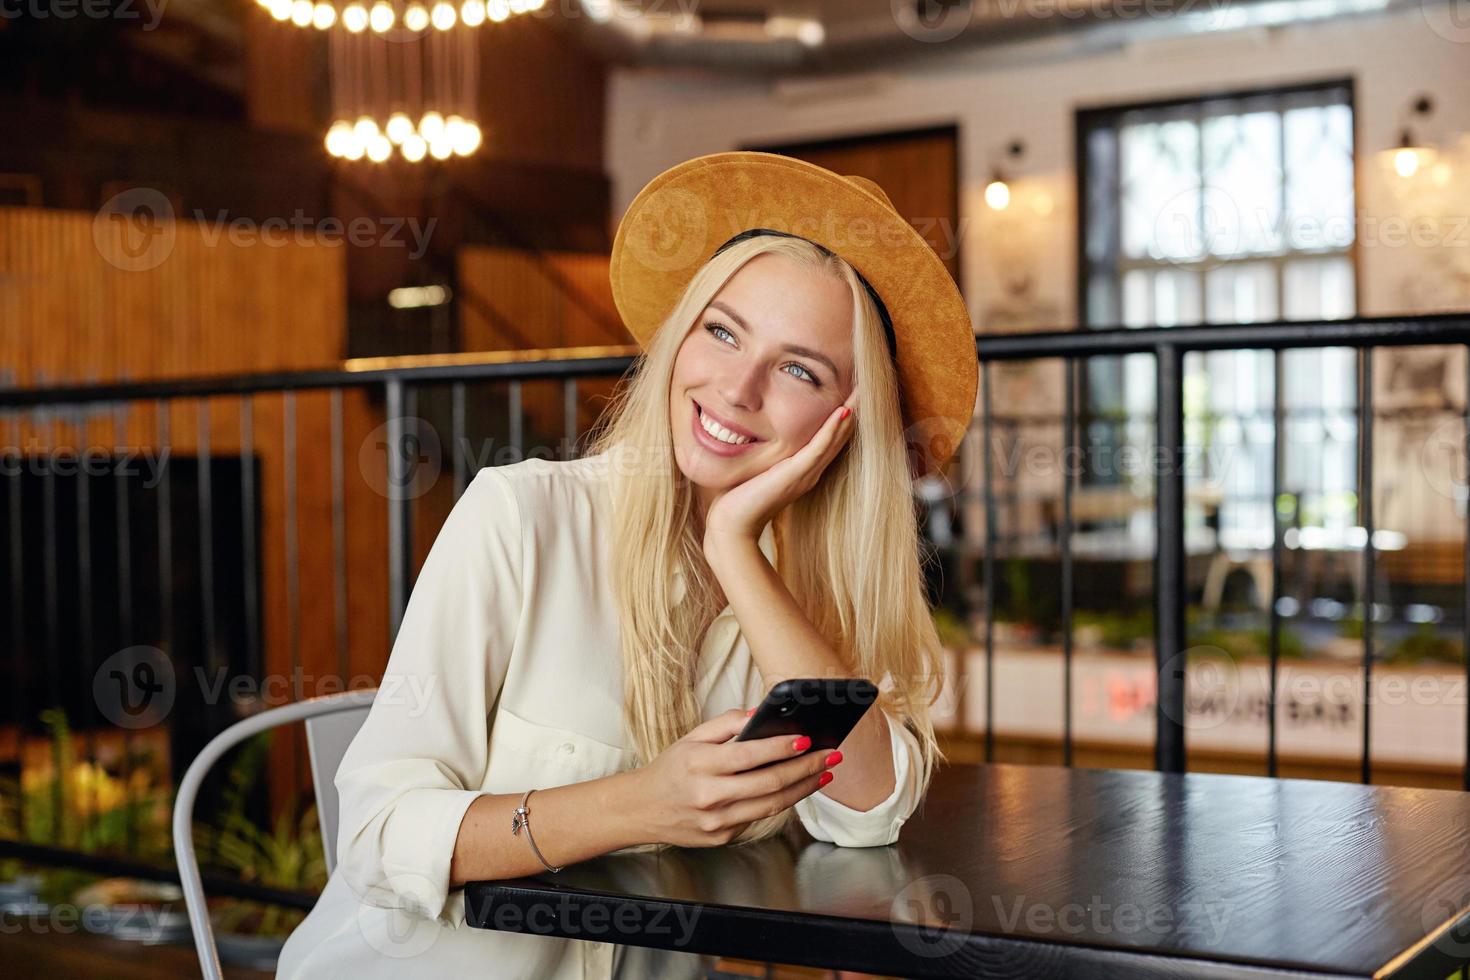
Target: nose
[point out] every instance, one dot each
(742, 386)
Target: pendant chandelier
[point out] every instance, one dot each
(404, 75)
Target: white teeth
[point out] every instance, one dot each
(720, 432)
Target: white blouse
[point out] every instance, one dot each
(507, 675)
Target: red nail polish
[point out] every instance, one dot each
(824, 779)
(832, 759)
(750, 712)
(801, 744)
(846, 412)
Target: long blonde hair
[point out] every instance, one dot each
(848, 550)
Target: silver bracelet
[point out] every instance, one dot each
(521, 819)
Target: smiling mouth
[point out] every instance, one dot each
(718, 432)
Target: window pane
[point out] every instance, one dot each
(1161, 190)
(1241, 293)
(1242, 178)
(1319, 177)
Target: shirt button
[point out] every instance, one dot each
(568, 748)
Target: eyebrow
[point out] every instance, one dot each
(793, 348)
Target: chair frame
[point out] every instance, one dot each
(323, 771)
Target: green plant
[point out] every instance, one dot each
(1240, 644)
(1427, 644)
(287, 855)
(76, 803)
(953, 632)
(1118, 630)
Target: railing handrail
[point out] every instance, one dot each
(1369, 331)
(552, 362)
(569, 362)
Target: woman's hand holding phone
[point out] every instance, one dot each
(701, 792)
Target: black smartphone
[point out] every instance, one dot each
(823, 709)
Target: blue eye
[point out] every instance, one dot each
(715, 329)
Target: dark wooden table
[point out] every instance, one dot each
(1041, 871)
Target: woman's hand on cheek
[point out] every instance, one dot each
(744, 510)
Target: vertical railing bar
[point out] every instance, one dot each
(516, 421)
(339, 540)
(1365, 500)
(205, 457)
(163, 410)
(293, 556)
(19, 663)
(51, 578)
(1169, 566)
(125, 624)
(1278, 464)
(398, 513)
(456, 434)
(249, 555)
(85, 599)
(987, 478)
(1069, 442)
(569, 415)
(1465, 591)
(293, 570)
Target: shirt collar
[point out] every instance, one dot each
(766, 543)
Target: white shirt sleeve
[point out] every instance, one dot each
(828, 820)
(422, 753)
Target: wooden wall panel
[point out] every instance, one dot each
(75, 306)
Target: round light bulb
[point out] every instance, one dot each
(440, 148)
(467, 141)
(280, 9)
(381, 18)
(472, 14)
(355, 18)
(414, 148)
(339, 138)
(379, 149)
(416, 18)
(364, 130)
(301, 13)
(324, 16)
(354, 148)
(431, 126)
(517, 7)
(1406, 162)
(497, 10)
(442, 16)
(399, 127)
(997, 195)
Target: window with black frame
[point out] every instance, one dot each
(1225, 209)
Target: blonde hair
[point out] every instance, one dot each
(848, 550)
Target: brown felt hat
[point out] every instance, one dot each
(685, 214)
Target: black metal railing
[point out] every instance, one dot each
(229, 628)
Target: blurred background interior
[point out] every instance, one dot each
(285, 197)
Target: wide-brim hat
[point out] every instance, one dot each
(683, 216)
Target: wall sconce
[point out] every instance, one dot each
(1413, 154)
(998, 191)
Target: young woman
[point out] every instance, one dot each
(595, 630)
